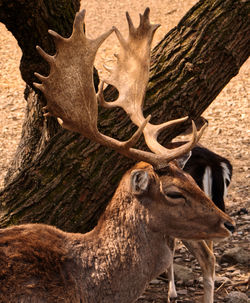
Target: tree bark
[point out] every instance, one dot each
(67, 181)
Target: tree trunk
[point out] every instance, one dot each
(66, 180)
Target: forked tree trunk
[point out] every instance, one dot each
(60, 178)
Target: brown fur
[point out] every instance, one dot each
(115, 261)
(32, 261)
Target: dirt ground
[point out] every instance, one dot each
(227, 134)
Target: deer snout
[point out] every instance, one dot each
(229, 226)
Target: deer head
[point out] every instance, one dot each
(170, 202)
(71, 97)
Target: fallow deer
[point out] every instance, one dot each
(155, 199)
(213, 174)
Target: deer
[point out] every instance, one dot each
(155, 199)
(213, 174)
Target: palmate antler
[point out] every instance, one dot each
(71, 97)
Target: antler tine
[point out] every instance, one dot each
(144, 19)
(202, 131)
(79, 21)
(40, 77)
(137, 134)
(47, 57)
(58, 39)
(151, 133)
(130, 23)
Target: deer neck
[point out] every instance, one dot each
(120, 256)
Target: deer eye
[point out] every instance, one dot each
(174, 195)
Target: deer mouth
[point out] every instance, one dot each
(226, 230)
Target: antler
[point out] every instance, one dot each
(71, 97)
(132, 69)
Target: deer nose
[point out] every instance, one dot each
(229, 226)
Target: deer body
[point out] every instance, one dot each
(78, 268)
(117, 259)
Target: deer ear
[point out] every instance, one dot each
(139, 181)
(181, 161)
